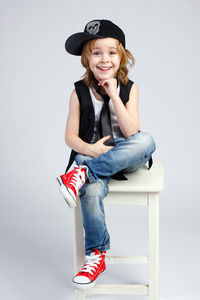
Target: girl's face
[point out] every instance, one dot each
(104, 60)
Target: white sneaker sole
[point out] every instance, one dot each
(66, 194)
(85, 286)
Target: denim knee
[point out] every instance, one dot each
(91, 196)
(145, 140)
(97, 189)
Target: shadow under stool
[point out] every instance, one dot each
(141, 188)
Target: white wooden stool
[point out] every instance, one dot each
(141, 188)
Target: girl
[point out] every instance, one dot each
(103, 131)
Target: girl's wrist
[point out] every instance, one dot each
(116, 98)
(88, 149)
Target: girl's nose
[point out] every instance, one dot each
(104, 58)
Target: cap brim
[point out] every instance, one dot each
(74, 44)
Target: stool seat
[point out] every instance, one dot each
(142, 188)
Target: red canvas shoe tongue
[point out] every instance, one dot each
(95, 252)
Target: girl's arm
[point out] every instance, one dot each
(128, 115)
(72, 131)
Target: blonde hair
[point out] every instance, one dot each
(126, 58)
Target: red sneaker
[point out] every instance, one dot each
(93, 267)
(70, 184)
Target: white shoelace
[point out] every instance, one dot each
(78, 179)
(91, 263)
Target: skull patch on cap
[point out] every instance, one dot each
(93, 27)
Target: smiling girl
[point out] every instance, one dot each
(103, 131)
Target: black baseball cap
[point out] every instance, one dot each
(96, 29)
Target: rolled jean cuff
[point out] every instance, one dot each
(100, 248)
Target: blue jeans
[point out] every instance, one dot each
(127, 155)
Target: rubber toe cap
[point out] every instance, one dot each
(81, 279)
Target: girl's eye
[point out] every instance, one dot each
(99, 53)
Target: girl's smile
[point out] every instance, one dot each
(104, 69)
(105, 59)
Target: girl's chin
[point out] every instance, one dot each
(103, 77)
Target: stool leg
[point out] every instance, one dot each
(80, 295)
(153, 214)
(78, 238)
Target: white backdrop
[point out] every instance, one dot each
(37, 78)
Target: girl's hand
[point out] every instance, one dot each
(99, 148)
(110, 87)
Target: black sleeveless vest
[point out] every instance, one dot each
(87, 116)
